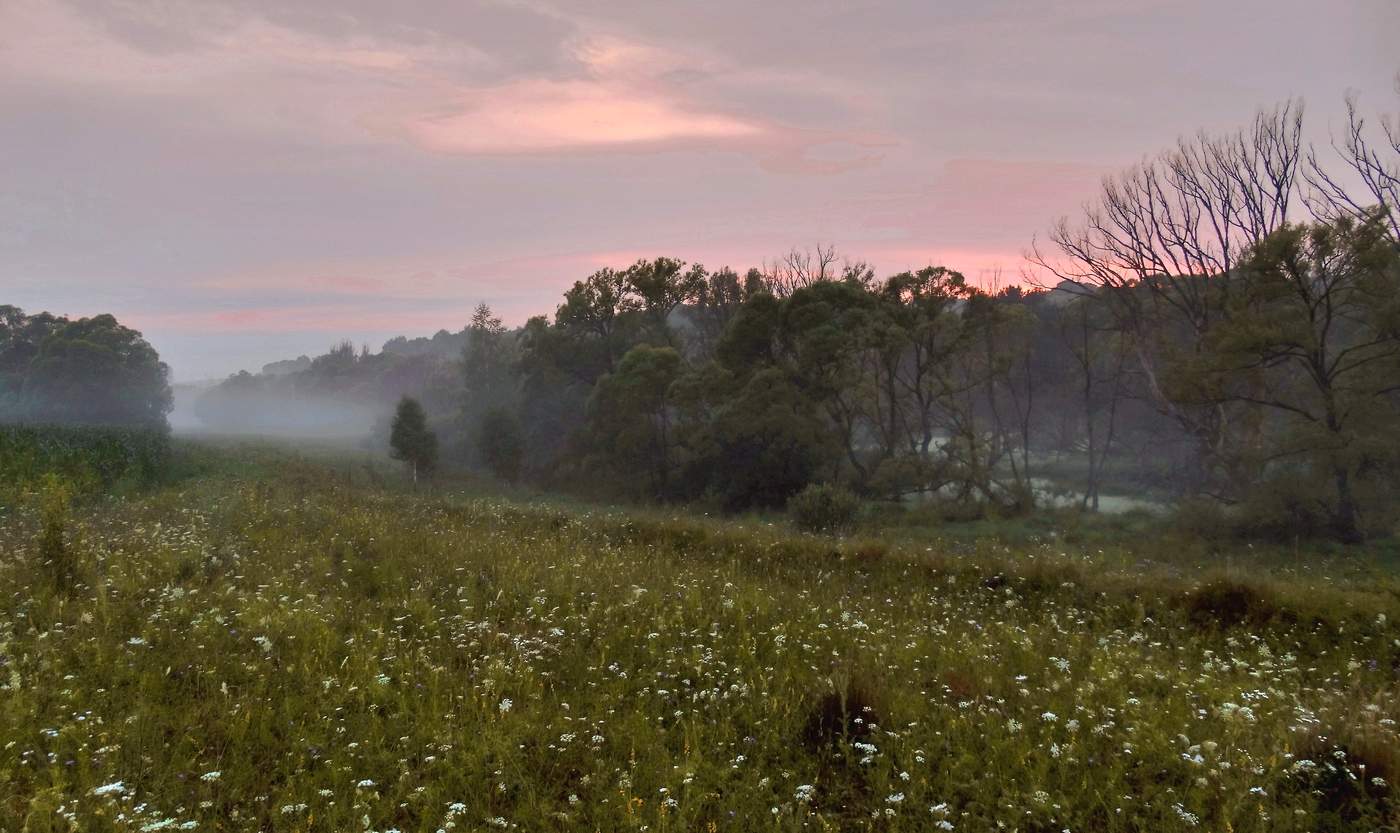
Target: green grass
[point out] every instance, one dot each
(272, 644)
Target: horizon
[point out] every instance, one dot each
(246, 183)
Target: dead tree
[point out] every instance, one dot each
(1161, 243)
(1373, 161)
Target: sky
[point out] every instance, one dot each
(250, 180)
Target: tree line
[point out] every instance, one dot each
(1221, 327)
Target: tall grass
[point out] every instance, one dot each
(299, 650)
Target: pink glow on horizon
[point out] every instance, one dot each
(516, 288)
(332, 320)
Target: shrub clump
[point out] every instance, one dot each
(90, 459)
(824, 509)
(844, 714)
(1226, 602)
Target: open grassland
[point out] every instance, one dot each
(294, 647)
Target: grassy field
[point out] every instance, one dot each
(275, 644)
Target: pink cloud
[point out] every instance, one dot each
(345, 283)
(539, 115)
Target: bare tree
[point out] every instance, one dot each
(1173, 224)
(1374, 160)
(1161, 244)
(801, 268)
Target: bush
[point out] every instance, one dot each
(90, 459)
(1279, 510)
(824, 508)
(1202, 518)
(1226, 602)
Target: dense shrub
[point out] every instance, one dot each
(90, 459)
(1227, 602)
(1280, 509)
(824, 508)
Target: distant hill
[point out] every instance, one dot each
(342, 392)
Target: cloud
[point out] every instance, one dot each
(316, 78)
(538, 115)
(366, 162)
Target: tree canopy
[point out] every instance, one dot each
(92, 371)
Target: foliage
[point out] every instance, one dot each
(410, 439)
(763, 445)
(500, 444)
(488, 360)
(1307, 344)
(824, 508)
(92, 371)
(629, 429)
(88, 459)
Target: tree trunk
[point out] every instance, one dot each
(1344, 518)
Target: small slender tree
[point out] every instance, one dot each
(410, 439)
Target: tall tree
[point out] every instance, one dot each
(488, 366)
(1161, 245)
(1313, 329)
(660, 287)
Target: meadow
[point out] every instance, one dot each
(281, 643)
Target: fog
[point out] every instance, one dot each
(208, 410)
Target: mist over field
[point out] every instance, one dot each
(699, 417)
